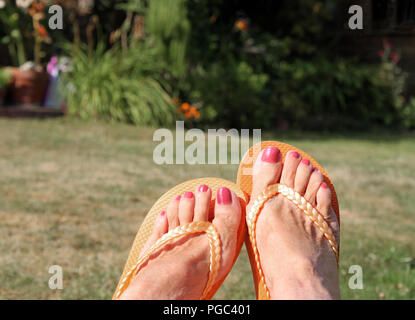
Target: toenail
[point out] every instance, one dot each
(306, 162)
(203, 188)
(224, 196)
(188, 195)
(271, 154)
(315, 170)
(178, 198)
(163, 213)
(324, 185)
(295, 154)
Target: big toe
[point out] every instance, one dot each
(227, 219)
(267, 170)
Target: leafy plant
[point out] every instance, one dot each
(120, 85)
(13, 38)
(231, 94)
(22, 22)
(5, 76)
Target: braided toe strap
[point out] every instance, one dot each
(302, 204)
(190, 228)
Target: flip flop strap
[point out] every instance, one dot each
(305, 207)
(190, 228)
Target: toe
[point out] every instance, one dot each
(266, 170)
(203, 195)
(292, 159)
(227, 220)
(323, 199)
(173, 213)
(302, 176)
(313, 185)
(186, 208)
(161, 227)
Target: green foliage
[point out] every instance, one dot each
(5, 76)
(232, 94)
(240, 64)
(120, 85)
(12, 22)
(329, 94)
(266, 64)
(167, 23)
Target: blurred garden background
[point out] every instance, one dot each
(74, 189)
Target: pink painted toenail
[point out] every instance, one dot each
(306, 162)
(178, 198)
(324, 185)
(295, 154)
(224, 196)
(271, 154)
(188, 195)
(203, 188)
(315, 169)
(163, 213)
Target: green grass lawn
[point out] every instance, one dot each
(74, 193)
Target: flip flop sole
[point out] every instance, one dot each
(244, 181)
(146, 227)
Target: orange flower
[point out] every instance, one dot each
(241, 25)
(188, 111)
(41, 30)
(185, 106)
(194, 112)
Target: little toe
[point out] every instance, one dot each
(324, 200)
(161, 226)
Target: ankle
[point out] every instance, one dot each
(301, 280)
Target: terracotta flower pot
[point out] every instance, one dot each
(29, 86)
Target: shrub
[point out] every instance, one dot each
(231, 94)
(123, 85)
(328, 94)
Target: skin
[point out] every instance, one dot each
(296, 259)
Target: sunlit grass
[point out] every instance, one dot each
(74, 193)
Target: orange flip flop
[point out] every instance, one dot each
(135, 262)
(244, 181)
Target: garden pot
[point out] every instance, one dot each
(29, 86)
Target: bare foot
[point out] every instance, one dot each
(180, 270)
(297, 261)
